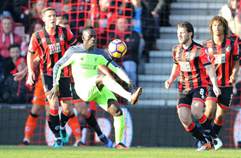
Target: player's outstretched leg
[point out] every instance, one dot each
(115, 87)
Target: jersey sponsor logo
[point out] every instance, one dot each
(185, 66)
(219, 58)
(54, 48)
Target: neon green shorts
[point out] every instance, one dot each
(104, 97)
(88, 91)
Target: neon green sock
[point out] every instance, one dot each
(119, 125)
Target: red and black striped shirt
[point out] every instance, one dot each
(223, 57)
(191, 62)
(51, 48)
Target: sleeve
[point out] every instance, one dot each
(70, 38)
(204, 57)
(236, 50)
(33, 45)
(118, 71)
(66, 60)
(174, 56)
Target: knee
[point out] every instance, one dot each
(197, 110)
(219, 118)
(115, 111)
(197, 114)
(67, 109)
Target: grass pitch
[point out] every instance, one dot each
(100, 152)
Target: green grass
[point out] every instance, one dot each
(100, 152)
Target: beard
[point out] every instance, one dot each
(184, 41)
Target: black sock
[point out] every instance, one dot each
(54, 124)
(64, 119)
(197, 134)
(93, 124)
(207, 126)
(33, 115)
(103, 139)
(215, 130)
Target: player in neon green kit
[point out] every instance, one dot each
(94, 82)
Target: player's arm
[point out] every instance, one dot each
(175, 70)
(33, 47)
(173, 76)
(70, 37)
(205, 60)
(118, 71)
(212, 76)
(236, 57)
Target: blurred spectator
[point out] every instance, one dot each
(101, 17)
(132, 40)
(36, 25)
(147, 22)
(31, 14)
(12, 91)
(231, 12)
(121, 7)
(14, 61)
(8, 37)
(14, 7)
(63, 20)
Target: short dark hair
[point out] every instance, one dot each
(188, 26)
(87, 28)
(222, 20)
(14, 46)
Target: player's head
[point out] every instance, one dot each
(185, 32)
(89, 37)
(218, 26)
(49, 17)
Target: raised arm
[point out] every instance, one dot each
(119, 72)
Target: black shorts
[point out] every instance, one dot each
(224, 99)
(186, 97)
(73, 92)
(64, 86)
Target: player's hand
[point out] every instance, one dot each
(232, 79)
(216, 91)
(54, 92)
(20, 75)
(168, 84)
(31, 78)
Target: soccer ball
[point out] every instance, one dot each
(117, 48)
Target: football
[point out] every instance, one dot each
(117, 48)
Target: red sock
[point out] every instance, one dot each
(75, 127)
